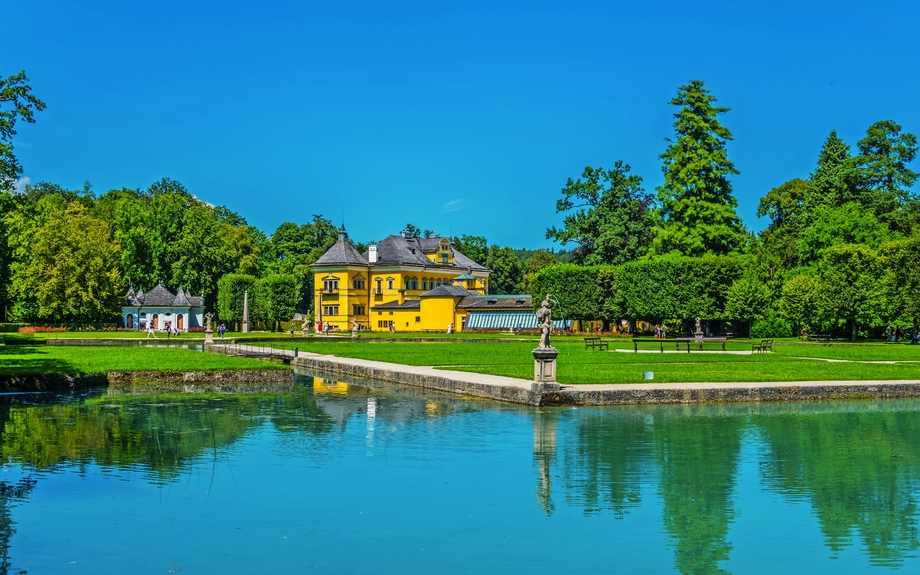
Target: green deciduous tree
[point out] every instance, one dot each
(231, 289)
(850, 223)
(885, 178)
(277, 297)
(883, 157)
(902, 259)
(852, 285)
(295, 248)
(783, 203)
(798, 301)
(65, 267)
(697, 206)
(537, 261)
(507, 272)
(610, 216)
(746, 300)
(16, 103)
(474, 247)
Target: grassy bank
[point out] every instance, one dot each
(42, 360)
(807, 362)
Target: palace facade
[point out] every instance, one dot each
(411, 284)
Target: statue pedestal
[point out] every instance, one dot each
(208, 337)
(544, 369)
(245, 327)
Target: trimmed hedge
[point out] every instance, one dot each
(651, 290)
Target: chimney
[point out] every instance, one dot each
(372, 254)
(406, 234)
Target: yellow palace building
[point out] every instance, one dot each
(413, 284)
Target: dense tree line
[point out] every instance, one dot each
(841, 252)
(69, 256)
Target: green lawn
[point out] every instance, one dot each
(198, 335)
(76, 360)
(789, 362)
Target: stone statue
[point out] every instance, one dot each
(354, 328)
(545, 323)
(305, 326)
(699, 328)
(207, 324)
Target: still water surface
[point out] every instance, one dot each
(339, 478)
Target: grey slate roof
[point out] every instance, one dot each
(181, 299)
(499, 302)
(408, 304)
(400, 251)
(160, 296)
(342, 253)
(449, 290)
(463, 262)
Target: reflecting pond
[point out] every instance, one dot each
(361, 478)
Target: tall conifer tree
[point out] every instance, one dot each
(833, 183)
(697, 206)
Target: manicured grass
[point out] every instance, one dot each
(198, 335)
(77, 360)
(576, 365)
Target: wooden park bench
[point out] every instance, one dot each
(596, 343)
(825, 337)
(762, 347)
(698, 343)
(659, 343)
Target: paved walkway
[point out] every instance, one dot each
(527, 392)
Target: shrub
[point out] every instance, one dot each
(770, 325)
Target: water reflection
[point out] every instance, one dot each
(544, 454)
(855, 465)
(860, 470)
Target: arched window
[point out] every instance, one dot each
(156, 321)
(129, 321)
(180, 321)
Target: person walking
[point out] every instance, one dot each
(292, 330)
(150, 331)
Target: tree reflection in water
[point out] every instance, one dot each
(697, 458)
(858, 466)
(857, 463)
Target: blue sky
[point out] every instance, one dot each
(463, 117)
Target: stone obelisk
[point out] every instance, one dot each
(246, 312)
